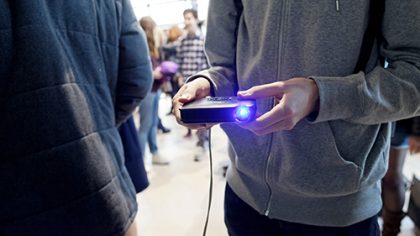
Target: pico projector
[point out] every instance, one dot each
(218, 110)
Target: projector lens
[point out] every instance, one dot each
(242, 113)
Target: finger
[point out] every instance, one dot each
(182, 97)
(279, 118)
(178, 94)
(177, 113)
(261, 123)
(175, 110)
(187, 94)
(196, 89)
(176, 104)
(279, 113)
(262, 91)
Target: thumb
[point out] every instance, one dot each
(261, 91)
(190, 92)
(187, 95)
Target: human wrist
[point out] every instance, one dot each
(315, 99)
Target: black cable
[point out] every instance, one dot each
(211, 186)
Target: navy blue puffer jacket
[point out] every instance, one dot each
(70, 73)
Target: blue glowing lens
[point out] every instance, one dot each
(242, 113)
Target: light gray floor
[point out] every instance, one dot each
(176, 201)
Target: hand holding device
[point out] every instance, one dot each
(196, 89)
(296, 99)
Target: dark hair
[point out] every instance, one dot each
(192, 11)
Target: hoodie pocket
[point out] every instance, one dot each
(250, 152)
(313, 165)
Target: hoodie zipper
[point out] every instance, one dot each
(280, 32)
(337, 5)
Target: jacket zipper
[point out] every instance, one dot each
(279, 59)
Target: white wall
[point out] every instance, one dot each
(167, 12)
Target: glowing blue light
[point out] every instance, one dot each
(242, 113)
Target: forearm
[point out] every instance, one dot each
(222, 21)
(380, 95)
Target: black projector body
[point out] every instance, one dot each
(218, 110)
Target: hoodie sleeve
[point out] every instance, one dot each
(223, 22)
(383, 94)
(135, 70)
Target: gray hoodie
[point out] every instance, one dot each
(327, 170)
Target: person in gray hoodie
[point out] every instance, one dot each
(71, 72)
(312, 161)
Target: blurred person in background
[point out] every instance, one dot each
(149, 108)
(169, 50)
(174, 36)
(406, 139)
(192, 59)
(71, 72)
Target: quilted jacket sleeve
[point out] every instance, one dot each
(135, 70)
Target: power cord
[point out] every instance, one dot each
(210, 187)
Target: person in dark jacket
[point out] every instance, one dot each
(70, 73)
(133, 155)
